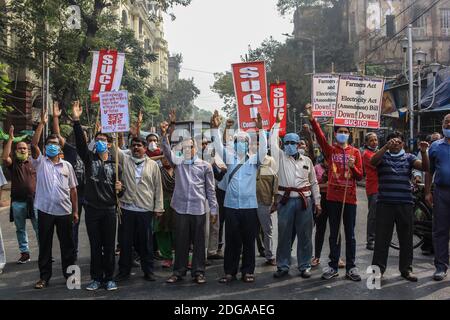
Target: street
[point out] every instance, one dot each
(17, 281)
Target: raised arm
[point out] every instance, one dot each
(165, 144)
(82, 148)
(56, 129)
(35, 152)
(215, 132)
(321, 139)
(377, 157)
(424, 164)
(7, 148)
(158, 191)
(309, 140)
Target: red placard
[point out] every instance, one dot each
(250, 87)
(278, 104)
(106, 72)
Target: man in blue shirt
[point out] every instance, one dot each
(240, 203)
(439, 154)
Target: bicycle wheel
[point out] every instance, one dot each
(422, 226)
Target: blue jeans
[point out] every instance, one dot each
(20, 213)
(334, 218)
(289, 215)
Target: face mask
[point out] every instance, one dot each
(21, 156)
(291, 149)
(138, 161)
(52, 150)
(446, 132)
(101, 146)
(190, 161)
(372, 149)
(342, 137)
(395, 155)
(241, 147)
(302, 152)
(152, 146)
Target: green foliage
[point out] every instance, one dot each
(180, 96)
(38, 27)
(4, 89)
(286, 7)
(223, 86)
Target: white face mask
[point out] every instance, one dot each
(301, 151)
(152, 146)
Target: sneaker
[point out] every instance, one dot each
(305, 274)
(280, 274)
(353, 275)
(271, 262)
(111, 285)
(94, 285)
(329, 273)
(24, 258)
(167, 264)
(439, 275)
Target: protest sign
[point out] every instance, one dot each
(250, 87)
(106, 72)
(114, 111)
(359, 102)
(278, 104)
(324, 94)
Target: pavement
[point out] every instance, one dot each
(17, 281)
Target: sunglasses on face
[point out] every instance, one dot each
(290, 143)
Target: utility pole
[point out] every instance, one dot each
(411, 89)
(314, 56)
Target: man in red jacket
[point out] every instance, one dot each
(345, 168)
(371, 147)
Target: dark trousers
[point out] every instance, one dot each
(76, 226)
(240, 235)
(46, 227)
(321, 226)
(441, 227)
(371, 217)
(402, 216)
(260, 240)
(189, 229)
(349, 220)
(101, 229)
(137, 230)
(220, 195)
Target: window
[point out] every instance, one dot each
(140, 26)
(420, 23)
(445, 22)
(124, 19)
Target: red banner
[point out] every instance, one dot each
(250, 87)
(106, 72)
(278, 104)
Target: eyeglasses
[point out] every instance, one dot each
(290, 142)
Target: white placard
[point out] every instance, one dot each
(324, 94)
(114, 111)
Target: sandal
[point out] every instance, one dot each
(315, 262)
(200, 279)
(173, 279)
(227, 278)
(248, 278)
(41, 284)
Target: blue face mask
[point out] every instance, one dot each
(52, 150)
(446, 133)
(101, 146)
(290, 149)
(342, 137)
(241, 147)
(402, 152)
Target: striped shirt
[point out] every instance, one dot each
(394, 178)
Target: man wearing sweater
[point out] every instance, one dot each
(142, 198)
